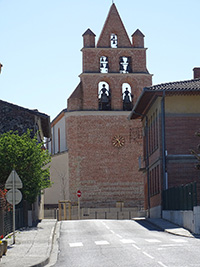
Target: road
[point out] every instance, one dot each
(110, 243)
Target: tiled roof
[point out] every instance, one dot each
(188, 85)
(88, 32)
(148, 94)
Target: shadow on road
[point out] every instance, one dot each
(146, 224)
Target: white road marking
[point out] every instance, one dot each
(159, 262)
(102, 242)
(107, 227)
(127, 241)
(77, 244)
(179, 240)
(153, 240)
(172, 245)
(146, 254)
(112, 232)
(119, 236)
(136, 247)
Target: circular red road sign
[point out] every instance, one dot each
(78, 193)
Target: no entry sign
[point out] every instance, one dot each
(78, 193)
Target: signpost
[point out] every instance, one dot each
(13, 196)
(79, 204)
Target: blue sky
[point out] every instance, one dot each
(40, 43)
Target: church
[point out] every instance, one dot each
(93, 139)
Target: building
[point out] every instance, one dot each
(19, 119)
(16, 118)
(170, 115)
(94, 130)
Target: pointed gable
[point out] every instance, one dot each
(113, 25)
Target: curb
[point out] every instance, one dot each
(51, 239)
(190, 235)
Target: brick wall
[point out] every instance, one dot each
(105, 174)
(180, 133)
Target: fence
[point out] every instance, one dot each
(183, 197)
(6, 214)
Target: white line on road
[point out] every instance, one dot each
(146, 254)
(136, 247)
(127, 241)
(77, 244)
(153, 240)
(112, 232)
(172, 245)
(107, 227)
(159, 262)
(102, 242)
(179, 240)
(119, 236)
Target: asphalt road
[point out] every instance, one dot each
(110, 243)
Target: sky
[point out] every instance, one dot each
(41, 41)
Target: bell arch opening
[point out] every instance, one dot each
(104, 96)
(103, 64)
(127, 97)
(113, 40)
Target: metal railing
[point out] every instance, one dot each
(182, 197)
(6, 214)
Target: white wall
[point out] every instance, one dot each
(59, 175)
(53, 146)
(188, 219)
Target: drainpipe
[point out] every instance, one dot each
(163, 140)
(147, 166)
(163, 148)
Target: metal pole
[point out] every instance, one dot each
(79, 208)
(65, 211)
(13, 177)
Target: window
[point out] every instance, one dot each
(127, 97)
(103, 64)
(154, 183)
(113, 40)
(104, 96)
(124, 64)
(153, 132)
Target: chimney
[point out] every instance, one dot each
(196, 73)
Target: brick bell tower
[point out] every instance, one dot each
(103, 145)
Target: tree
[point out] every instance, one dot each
(25, 155)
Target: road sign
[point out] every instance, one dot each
(13, 178)
(78, 193)
(13, 196)
(17, 195)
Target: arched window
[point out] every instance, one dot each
(104, 96)
(125, 65)
(127, 97)
(103, 64)
(113, 40)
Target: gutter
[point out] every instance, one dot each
(165, 184)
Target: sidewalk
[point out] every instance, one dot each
(169, 227)
(32, 246)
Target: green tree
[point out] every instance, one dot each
(25, 155)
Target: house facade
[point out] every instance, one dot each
(16, 118)
(170, 114)
(19, 119)
(98, 137)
